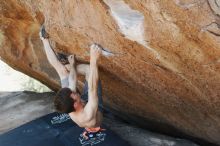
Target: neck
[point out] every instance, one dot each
(79, 107)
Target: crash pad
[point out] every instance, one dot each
(57, 129)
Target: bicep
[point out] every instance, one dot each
(92, 104)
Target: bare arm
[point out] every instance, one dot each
(93, 77)
(72, 76)
(89, 115)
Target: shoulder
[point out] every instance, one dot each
(78, 117)
(81, 119)
(72, 115)
(75, 117)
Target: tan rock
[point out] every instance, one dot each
(168, 54)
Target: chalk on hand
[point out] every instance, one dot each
(105, 52)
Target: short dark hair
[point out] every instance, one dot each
(63, 102)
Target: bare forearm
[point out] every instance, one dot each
(93, 78)
(95, 52)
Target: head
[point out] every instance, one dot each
(66, 101)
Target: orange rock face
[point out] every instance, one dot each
(166, 62)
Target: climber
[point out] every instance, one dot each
(85, 110)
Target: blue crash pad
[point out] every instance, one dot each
(57, 129)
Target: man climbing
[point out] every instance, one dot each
(85, 110)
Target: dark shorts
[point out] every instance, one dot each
(84, 95)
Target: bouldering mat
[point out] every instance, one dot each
(57, 129)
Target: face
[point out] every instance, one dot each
(77, 101)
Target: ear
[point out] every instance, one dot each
(75, 105)
(72, 95)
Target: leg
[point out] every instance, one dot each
(72, 75)
(84, 95)
(83, 69)
(99, 92)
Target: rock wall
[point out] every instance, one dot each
(166, 61)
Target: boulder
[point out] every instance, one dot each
(166, 55)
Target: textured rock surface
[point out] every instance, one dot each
(168, 54)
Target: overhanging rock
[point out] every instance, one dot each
(167, 67)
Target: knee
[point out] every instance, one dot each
(83, 69)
